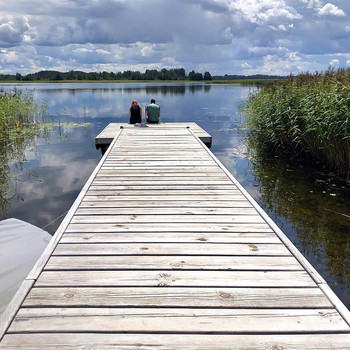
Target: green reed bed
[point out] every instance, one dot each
(20, 118)
(306, 117)
(19, 113)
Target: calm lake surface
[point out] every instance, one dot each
(311, 208)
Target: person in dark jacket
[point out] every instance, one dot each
(135, 113)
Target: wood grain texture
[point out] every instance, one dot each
(168, 227)
(84, 341)
(166, 203)
(126, 219)
(175, 278)
(151, 262)
(238, 210)
(261, 298)
(176, 320)
(173, 237)
(199, 248)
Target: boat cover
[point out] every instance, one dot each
(21, 245)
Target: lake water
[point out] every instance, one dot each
(309, 206)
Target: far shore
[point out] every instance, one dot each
(230, 82)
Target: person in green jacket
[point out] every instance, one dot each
(152, 113)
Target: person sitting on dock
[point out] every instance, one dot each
(152, 113)
(135, 113)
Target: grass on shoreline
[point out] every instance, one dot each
(305, 117)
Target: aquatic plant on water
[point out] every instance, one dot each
(305, 116)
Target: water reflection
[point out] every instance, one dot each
(12, 157)
(163, 89)
(313, 210)
(47, 175)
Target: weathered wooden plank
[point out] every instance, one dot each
(153, 185)
(165, 157)
(164, 168)
(151, 143)
(158, 163)
(164, 135)
(167, 180)
(176, 320)
(202, 248)
(107, 341)
(168, 227)
(174, 237)
(104, 180)
(212, 204)
(155, 137)
(178, 147)
(154, 175)
(178, 297)
(149, 135)
(174, 197)
(159, 158)
(158, 152)
(164, 192)
(154, 141)
(173, 172)
(150, 262)
(147, 218)
(174, 278)
(164, 211)
(160, 155)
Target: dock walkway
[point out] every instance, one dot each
(163, 249)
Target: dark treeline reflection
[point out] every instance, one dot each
(168, 89)
(163, 90)
(312, 209)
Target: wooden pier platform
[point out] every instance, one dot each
(164, 249)
(106, 136)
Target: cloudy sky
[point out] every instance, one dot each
(219, 36)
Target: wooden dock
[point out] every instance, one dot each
(164, 249)
(106, 136)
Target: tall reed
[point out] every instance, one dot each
(305, 116)
(20, 118)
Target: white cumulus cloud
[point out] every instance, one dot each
(222, 36)
(334, 63)
(331, 10)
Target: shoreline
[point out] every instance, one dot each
(214, 82)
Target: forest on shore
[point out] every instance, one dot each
(148, 75)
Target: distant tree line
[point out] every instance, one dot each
(243, 77)
(149, 74)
